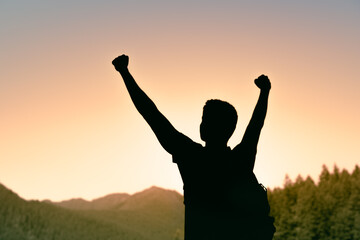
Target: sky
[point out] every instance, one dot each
(68, 127)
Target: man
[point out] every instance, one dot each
(222, 197)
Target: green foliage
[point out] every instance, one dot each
(303, 210)
(33, 220)
(328, 210)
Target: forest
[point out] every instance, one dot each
(304, 209)
(326, 210)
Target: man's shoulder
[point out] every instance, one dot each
(186, 148)
(187, 143)
(244, 150)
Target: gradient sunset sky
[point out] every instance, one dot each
(69, 129)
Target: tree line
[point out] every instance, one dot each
(326, 210)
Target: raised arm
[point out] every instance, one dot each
(168, 136)
(251, 137)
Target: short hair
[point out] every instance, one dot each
(221, 116)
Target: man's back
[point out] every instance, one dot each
(217, 190)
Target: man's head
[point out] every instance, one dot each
(218, 121)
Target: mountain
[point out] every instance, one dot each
(107, 202)
(152, 198)
(154, 213)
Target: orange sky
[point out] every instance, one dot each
(69, 129)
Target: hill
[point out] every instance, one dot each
(102, 203)
(103, 218)
(303, 209)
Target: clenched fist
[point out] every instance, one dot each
(263, 82)
(121, 62)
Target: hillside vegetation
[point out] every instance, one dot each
(303, 210)
(154, 213)
(328, 210)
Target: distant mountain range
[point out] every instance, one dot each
(107, 202)
(154, 213)
(303, 209)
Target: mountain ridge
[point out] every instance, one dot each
(154, 213)
(115, 200)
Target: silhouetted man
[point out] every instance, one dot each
(222, 197)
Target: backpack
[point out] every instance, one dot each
(251, 205)
(264, 229)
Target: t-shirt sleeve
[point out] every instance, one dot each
(185, 148)
(244, 156)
